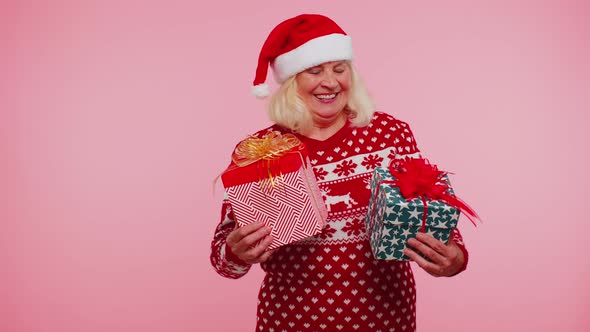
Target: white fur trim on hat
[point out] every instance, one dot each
(261, 90)
(333, 47)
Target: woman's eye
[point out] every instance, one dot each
(314, 71)
(339, 70)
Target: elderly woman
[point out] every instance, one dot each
(331, 281)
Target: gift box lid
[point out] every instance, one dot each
(256, 159)
(399, 210)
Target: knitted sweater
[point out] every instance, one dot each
(331, 282)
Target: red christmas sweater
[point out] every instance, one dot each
(331, 282)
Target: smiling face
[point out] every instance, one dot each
(325, 90)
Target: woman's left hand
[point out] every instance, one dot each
(445, 259)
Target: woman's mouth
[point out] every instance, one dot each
(327, 97)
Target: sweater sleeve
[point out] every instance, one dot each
(223, 260)
(458, 239)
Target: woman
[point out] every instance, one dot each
(330, 282)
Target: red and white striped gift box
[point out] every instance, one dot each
(281, 193)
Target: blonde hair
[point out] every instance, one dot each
(287, 109)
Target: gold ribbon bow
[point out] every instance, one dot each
(271, 146)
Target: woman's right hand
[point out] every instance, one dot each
(249, 242)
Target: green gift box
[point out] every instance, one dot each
(392, 220)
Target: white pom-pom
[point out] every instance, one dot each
(261, 90)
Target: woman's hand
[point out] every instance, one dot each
(249, 242)
(445, 259)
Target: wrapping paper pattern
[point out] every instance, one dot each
(392, 220)
(292, 205)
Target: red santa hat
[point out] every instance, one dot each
(297, 44)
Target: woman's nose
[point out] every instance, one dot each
(329, 81)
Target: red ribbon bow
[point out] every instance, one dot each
(418, 178)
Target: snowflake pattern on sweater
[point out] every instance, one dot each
(331, 282)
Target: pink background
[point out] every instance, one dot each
(116, 116)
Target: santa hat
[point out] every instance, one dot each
(297, 44)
